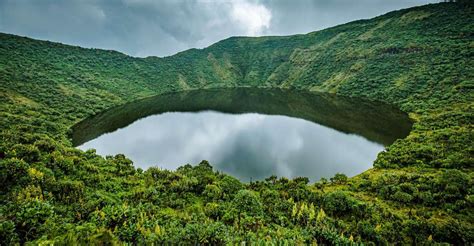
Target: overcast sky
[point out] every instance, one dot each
(164, 27)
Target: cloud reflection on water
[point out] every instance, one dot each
(247, 145)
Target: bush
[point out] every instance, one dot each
(248, 203)
(402, 197)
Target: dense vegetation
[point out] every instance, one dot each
(419, 191)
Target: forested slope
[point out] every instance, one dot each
(421, 189)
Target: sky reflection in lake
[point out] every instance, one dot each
(248, 146)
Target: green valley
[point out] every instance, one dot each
(420, 190)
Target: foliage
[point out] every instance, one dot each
(420, 191)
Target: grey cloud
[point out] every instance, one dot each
(147, 27)
(305, 16)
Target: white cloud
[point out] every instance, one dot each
(253, 17)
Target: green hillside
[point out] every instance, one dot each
(419, 191)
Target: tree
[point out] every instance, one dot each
(247, 202)
(339, 178)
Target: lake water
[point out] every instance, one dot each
(248, 133)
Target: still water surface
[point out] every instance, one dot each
(250, 134)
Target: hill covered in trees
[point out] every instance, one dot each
(419, 191)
